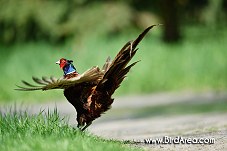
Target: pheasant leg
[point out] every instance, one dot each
(86, 126)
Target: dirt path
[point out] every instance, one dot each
(118, 125)
(187, 126)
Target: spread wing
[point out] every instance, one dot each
(93, 75)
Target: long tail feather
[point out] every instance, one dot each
(118, 68)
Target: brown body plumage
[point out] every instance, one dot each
(90, 93)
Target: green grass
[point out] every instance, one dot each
(198, 63)
(47, 131)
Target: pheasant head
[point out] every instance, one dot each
(66, 66)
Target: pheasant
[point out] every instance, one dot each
(90, 92)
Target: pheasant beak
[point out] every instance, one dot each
(58, 62)
(62, 64)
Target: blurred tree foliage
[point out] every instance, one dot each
(56, 21)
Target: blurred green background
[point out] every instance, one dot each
(187, 53)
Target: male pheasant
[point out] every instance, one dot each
(90, 92)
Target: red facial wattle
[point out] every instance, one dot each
(62, 64)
